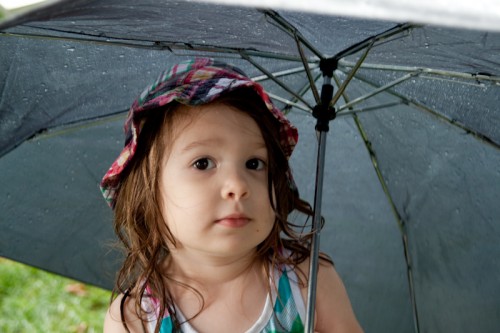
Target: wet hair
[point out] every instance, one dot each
(139, 221)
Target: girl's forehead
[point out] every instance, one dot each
(214, 114)
(214, 121)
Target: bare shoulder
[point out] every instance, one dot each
(333, 308)
(113, 320)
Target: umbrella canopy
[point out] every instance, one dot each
(413, 163)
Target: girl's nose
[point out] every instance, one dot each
(235, 186)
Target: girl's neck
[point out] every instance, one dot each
(210, 271)
(208, 286)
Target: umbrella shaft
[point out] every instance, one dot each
(316, 228)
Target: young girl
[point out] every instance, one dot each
(201, 195)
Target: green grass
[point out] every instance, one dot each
(32, 300)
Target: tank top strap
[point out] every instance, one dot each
(284, 310)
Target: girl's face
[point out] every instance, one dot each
(214, 182)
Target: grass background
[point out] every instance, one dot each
(32, 300)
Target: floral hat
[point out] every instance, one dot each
(194, 82)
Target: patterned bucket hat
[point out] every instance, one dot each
(196, 82)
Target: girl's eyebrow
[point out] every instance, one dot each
(201, 143)
(217, 142)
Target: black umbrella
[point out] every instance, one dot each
(412, 169)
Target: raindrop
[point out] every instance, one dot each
(8, 196)
(122, 55)
(104, 73)
(70, 49)
(65, 66)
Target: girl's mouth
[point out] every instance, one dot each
(234, 221)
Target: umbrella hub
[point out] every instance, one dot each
(324, 111)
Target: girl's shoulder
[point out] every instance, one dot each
(333, 309)
(122, 312)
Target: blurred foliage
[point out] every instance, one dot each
(32, 300)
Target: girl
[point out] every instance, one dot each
(201, 195)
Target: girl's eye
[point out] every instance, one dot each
(255, 164)
(204, 164)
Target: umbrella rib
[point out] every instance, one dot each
(443, 117)
(351, 74)
(461, 75)
(399, 219)
(272, 77)
(289, 102)
(291, 30)
(312, 85)
(376, 91)
(282, 73)
(76, 125)
(368, 109)
(368, 41)
(293, 103)
(155, 45)
(307, 86)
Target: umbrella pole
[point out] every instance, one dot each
(323, 112)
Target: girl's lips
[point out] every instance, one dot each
(234, 221)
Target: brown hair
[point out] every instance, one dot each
(139, 222)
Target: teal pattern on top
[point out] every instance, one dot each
(286, 317)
